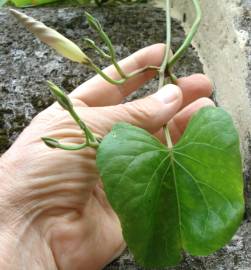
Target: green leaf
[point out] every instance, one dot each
(25, 3)
(3, 2)
(188, 199)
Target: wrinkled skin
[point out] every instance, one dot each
(54, 212)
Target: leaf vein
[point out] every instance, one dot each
(152, 223)
(200, 190)
(152, 144)
(222, 196)
(177, 194)
(202, 144)
(155, 171)
(128, 166)
(191, 158)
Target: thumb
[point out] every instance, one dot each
(149, 113)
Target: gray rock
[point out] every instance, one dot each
(25, 64)
(235, 256)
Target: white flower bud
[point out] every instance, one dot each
(51, 37)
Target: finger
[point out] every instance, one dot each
(98, 92)
(179, 122)
(149, 113)
(194, 87)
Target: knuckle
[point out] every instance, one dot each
(142, 109)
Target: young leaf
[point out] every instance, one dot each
(189, 198)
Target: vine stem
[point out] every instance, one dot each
(120, 71)
(113, 56)
(104, 76)
(123, 80)
(168, 137)
(168, 45)
(92, 45)
(66, 103)
(108, 42)
(190, 35)
(165, 66)
(90, 137)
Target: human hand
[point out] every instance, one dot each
(53, 202)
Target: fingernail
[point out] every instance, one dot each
(168, 93)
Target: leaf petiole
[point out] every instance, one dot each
(168, 137)
(90, 138)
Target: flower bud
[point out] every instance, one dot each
(60, 96)
(52, 143)
(93, 22)
(51, 37)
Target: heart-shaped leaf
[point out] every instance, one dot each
(189, 198)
